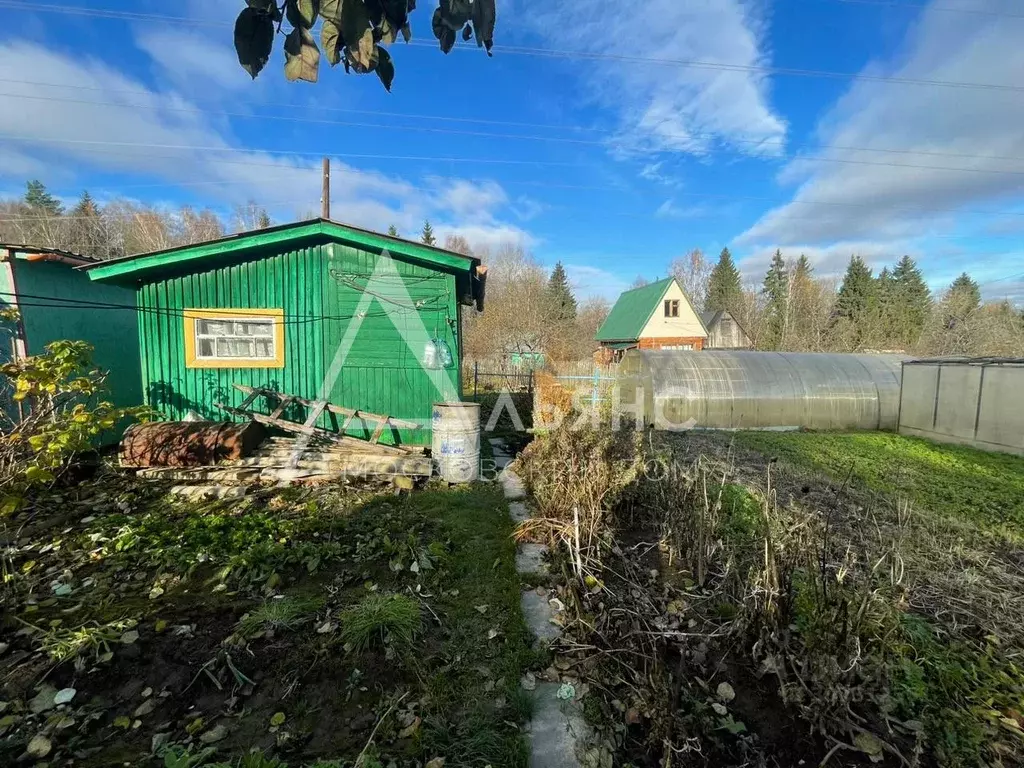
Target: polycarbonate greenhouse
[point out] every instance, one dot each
(758, 390)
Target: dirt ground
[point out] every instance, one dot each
(136, 627)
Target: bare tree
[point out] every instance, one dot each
(693, 271)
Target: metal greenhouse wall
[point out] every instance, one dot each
(759, 390)
(977, 402)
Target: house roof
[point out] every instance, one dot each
(42, 253)
(237, 247)
(710, 318)
(632, 311)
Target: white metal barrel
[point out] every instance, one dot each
(456, 441)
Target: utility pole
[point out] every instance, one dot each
(325, 195)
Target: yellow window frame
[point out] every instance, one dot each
(192, 359)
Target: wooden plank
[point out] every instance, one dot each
(314, 414)
(291, 426)
(285, 402)
(378, 431)
(400, 423)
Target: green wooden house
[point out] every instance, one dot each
(315, 309)
(56, 301)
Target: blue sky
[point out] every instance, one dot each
(611, 141)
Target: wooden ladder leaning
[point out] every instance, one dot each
(317, 408)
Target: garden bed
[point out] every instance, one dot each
(316, 626)
(778, 599)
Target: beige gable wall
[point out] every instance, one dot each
(686, 325)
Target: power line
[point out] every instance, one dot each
(809, 158)
(59, 302)
(556, 54)
(922, 7)
(482, 134)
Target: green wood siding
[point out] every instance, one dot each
(319, 287)
(113, 333)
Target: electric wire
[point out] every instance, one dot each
(549, 52)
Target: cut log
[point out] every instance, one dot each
(188, 443)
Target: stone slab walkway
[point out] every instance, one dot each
(557, 728)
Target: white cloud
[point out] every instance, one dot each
(867, 195)
(588, 281)
(664, 107)
(64, 141)
(828, 261)
(189, 58)
(669, 210)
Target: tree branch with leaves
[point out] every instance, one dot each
(353, 33)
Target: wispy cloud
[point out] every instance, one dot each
(660, 106)
(966, 135)
(186, 154)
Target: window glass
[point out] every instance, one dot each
(224, 338)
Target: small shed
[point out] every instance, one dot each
(315, 309)
(54, 302)
(724, 332)
(972, 401)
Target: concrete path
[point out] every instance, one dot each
(558, 729)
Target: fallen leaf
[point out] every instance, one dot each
(40, 746)
(410, 729)
(725, 692)
(437, 762)
(194, 727)
(64, 695)
(869, 745)
(277, 719)
(129, 637)
(44, 700)
(122, 722)
(155, 592)
(720, 709)
(146, 693)
(529, 682)
(160, 625)
(493, 633)
(482, 609)
(214, 735)
(632, 716)
(145, 708)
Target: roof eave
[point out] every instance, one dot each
(131, 268)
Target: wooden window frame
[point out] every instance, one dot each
(192, 359)
(672, 308)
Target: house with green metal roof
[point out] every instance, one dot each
(316, 309)
(658, 315)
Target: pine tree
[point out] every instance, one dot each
(427, 236)
(962, 300)
(911, 301)
(855, 301)
(393, 231)
(776, 290)
(37, 196)
(724, 289)
(562, 301)
(87, 228)
(803, 271)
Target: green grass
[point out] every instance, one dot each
(957, 482)
(487, 652)
(380, 620)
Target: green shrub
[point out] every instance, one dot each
(380, 619)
